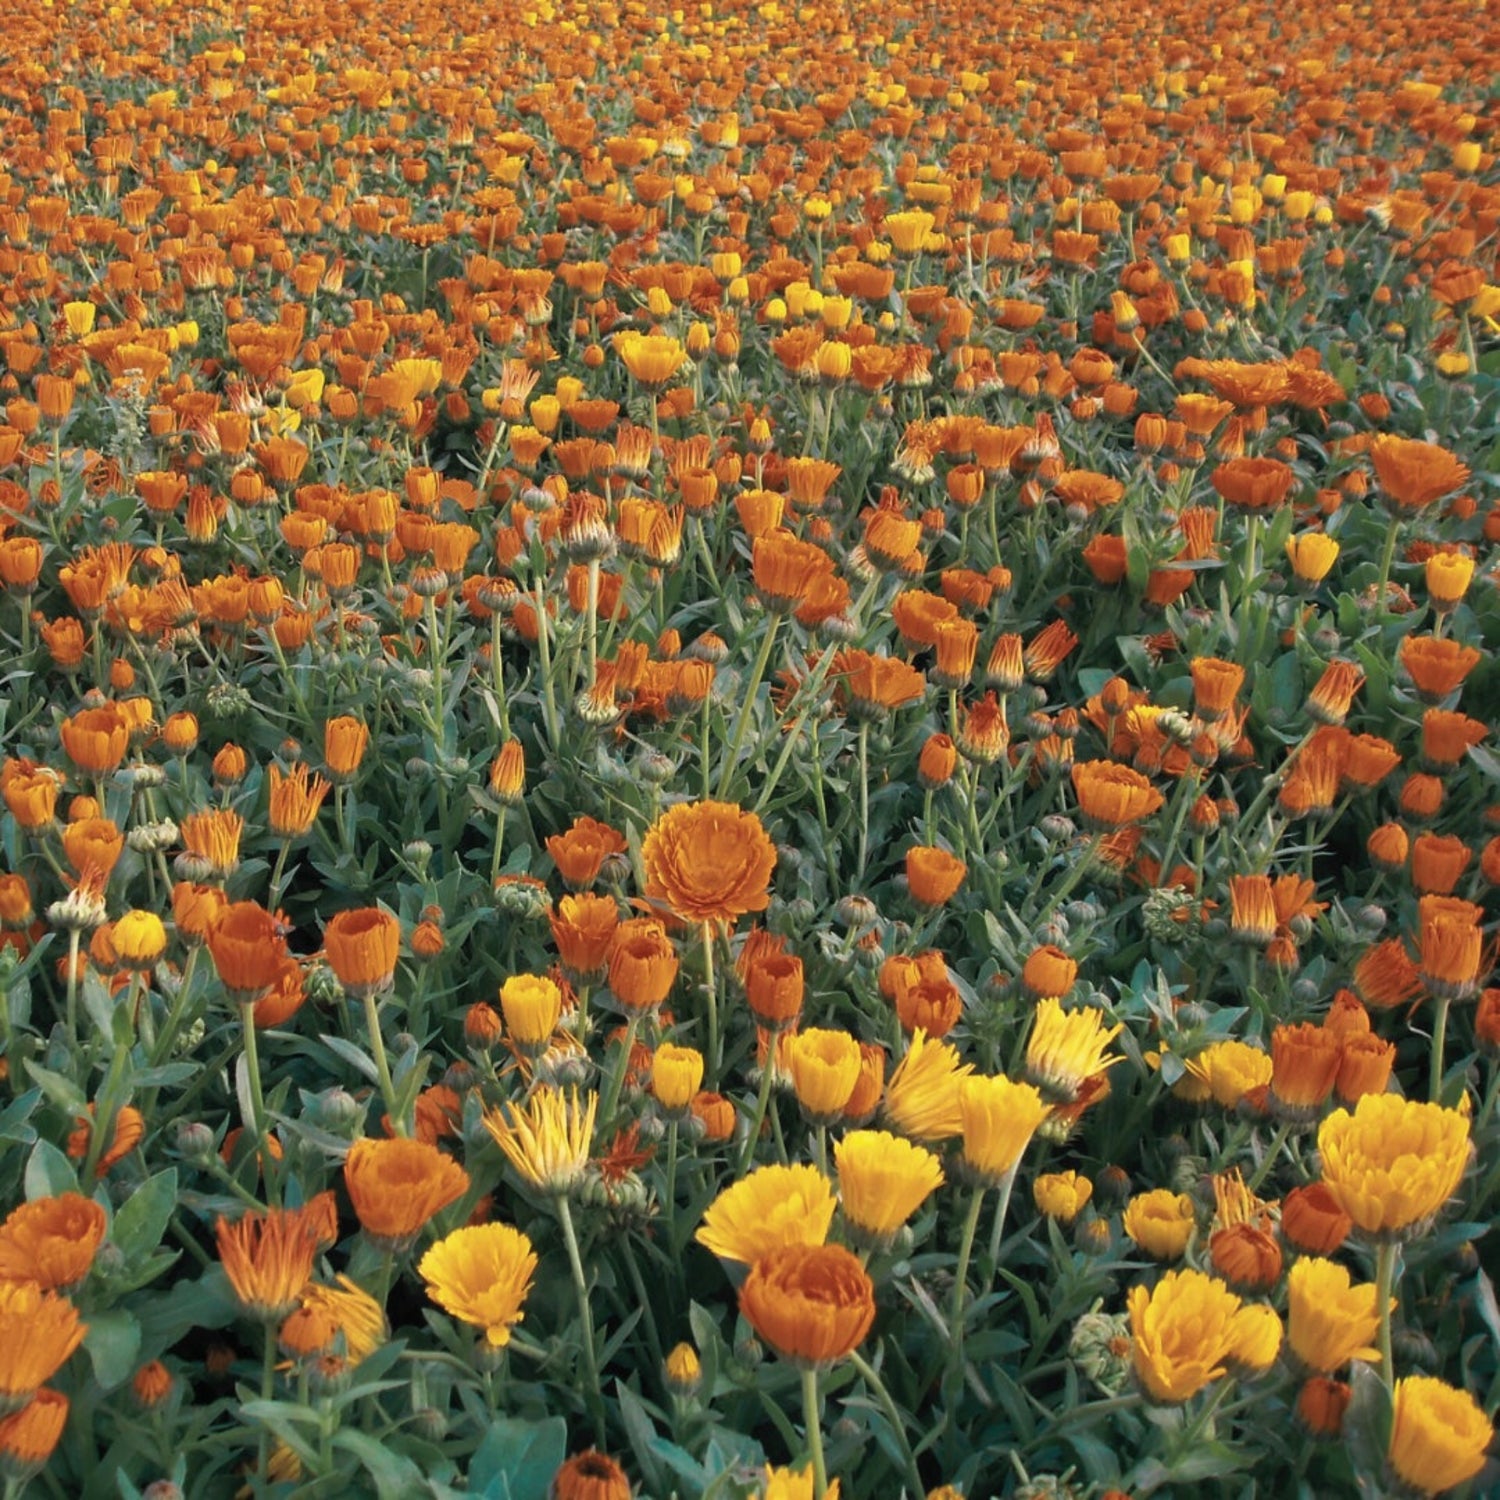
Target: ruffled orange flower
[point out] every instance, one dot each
(1111, 795)
(708, 861)
(1414, 474)
(813, 1304)
(362, 947)
(396, 1186)
(51, 1241)
(268, 1258)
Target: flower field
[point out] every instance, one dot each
(748, 751)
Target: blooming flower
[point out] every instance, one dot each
(481, 1274)
(770, 1208)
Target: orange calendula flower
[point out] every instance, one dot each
(129, 1128)
(396, 1186)
(51, 1241)
(933, 875)
(96, 739)
(591, 1476)
(1451, 946)
(294, 800)
(813, 1304)
(1437, 665)
(362, 947)
(579, 854)
(642, 963)
(786, 569)
(708, 861)
(1111, 795)
(268, 1258)
(212, 841)
(29, 1437)
(246, 945)
(1413, 474)
(584, 927)
(38, 1332)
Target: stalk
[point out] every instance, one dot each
(585, 1316)
(814, 1432)
(757, 672)
(382, 1066)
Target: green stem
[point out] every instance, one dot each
(814, 1432)
(864, 801)
(1385, 1275)
(1387, 557)
(762, 1100)
(1439, 1040)
(622, 1067)
(1278, 1140)
(257, 1100)
(499, 845)
(961, 1277)
(711, 995)
(997, 1229)
(871, 1378)
(592, 1395)
(591, 622)
(757, 672)
(544, 650)
(382, 1066)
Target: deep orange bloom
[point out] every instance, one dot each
(579, 854)
(362, 947)
(643, 963)
(1216, 685)
(268, 1258)
(248, 950)
(583, 928)
(396, 1186)
(933, 876)
(294, 800)
(813, 1304)
(1253, 483)
(1451, 945)
(345, 740)
(786, 569)
(96, 739)
(1436, 665)
(1414, 474)
(38, 1332)
(30, 1436)
(51, 1241)
(1111, 795)
(708, 861)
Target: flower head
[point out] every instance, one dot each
(546, 1140)
(481, 1275)
(396, 1186)
(1160, 1222)
(1329, 1320)
(770, 1208)
(1185, 1330)
(813, 1304)
(1393, 1163)
(921, 1099)
(1439, 1435)
(998, 1117)
(268, 1258)
(883, 1180)
(51, 1241)
(708, 861)
(1067, 1048)
(362, 947)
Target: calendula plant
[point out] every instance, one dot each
(747, 754)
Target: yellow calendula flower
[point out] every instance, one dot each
(357, 1315)
(774, 1206)
(1186, 1330)
(883, 1180)
(1438, 1436)
(824, 1066)
(1062, 1195)
(1229, 1070)
(1067, 1048)
(1160, 1222)
(795, 1484)
(481, 1275)
(547, 1140)
(1329, 1320)
(1393, 1163)
(999, 1118)
(921, 1100)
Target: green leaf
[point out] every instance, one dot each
(48, 1173)
(396, 1476)
(114, 1345)
(142, 1218)
(517, 1460)
(352, 1055)
(13, 1126)
(59, 1089)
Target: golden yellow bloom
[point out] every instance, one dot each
(1438, 1436)
(684, 1369)
(1229, 1070)
(1312, 554)
(531, 1004)
(652, 359)
(883, 1180)
(921, 1100)
(1160, 1222)
(353, 1312)
(139, 939)
(795, 1484)
(1393, 1163)
(1330, 1321)
(547, 1140)
(676, 1075)
(1067, 1049)
(999, 1118)
(1062, 1195)
(1184, 1332)
(481, 1274)
(773, 1207)
(824, 1066)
